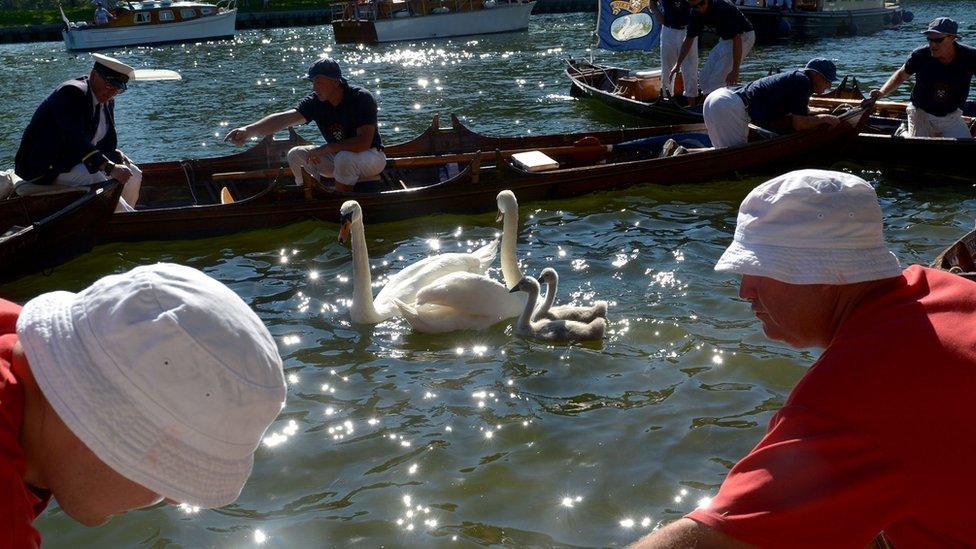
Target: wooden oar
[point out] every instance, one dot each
(429, 160)
(266, 173)
(417, 161)
(831, 102)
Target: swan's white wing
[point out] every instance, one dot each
(473, 294)
(486, 256)
(405, 284)
(435, 319)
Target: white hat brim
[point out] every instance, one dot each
(809, 265)
(87, 390)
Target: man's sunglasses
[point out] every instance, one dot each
(697, 5)
(117, 84)
(936, 39)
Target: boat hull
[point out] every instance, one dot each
(771, 24)
(875, 144)
(502, 18)
(213, 27)
(46, 230)
(472, 191)
(960, 258)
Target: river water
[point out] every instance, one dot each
(397, 439)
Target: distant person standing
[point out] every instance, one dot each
(736, 40)
(943, 71)
(673, 15)
(102, 15)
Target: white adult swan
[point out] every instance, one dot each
(558, 331)
(404, 284)
(466, 301)
(550, 277)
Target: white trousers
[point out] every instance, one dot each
(719, 63)
(671, 41)
(345, 167)
(923, 124)
(726, 119)
(78, 176)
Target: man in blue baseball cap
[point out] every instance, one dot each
(778, 102)
(346, 116)
(943, 71)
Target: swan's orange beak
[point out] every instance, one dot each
(499, 217)
(344, 232)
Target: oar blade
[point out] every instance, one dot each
(156, 74)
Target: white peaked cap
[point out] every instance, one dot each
(135, 74)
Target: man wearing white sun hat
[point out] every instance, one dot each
(877, 436)
(155, 384)
(71, 140)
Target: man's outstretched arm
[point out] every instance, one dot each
(684, 533)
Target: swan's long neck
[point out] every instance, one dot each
(523, 321)
(510, 268)
(362, 279)
(551, 286)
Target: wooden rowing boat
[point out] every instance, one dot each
(960, 258)
(878, 142)
(41, 231)
(444, 170)
(604, 83)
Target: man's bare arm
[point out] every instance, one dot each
(684, 533)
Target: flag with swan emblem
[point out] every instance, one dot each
(626, 25)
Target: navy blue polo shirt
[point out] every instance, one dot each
(676, 13)
(340, 122)
(941, 89)
(773, 97)
(722, 16)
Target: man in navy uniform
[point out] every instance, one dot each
(736, 40)
(346, 116)
(777, 102)
(70, 141)
(673, 15)
(943, 70)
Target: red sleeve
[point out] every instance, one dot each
(802, 484)
(16, 510)
(9, 311)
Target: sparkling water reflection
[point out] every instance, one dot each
(400, 439)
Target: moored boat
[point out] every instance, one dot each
(40, 231)
(884, 140)
(153, 22)
(375, 21)
(445, 170)
(819, 18)
(960, 257)
(880, 140)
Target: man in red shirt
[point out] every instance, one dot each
(877, 436)
(156, 384)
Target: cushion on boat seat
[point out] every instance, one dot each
(534, 161)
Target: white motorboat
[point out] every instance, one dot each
(374, 21)
(153, 22)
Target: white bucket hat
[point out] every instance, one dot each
(811, 227)
(164, 373)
